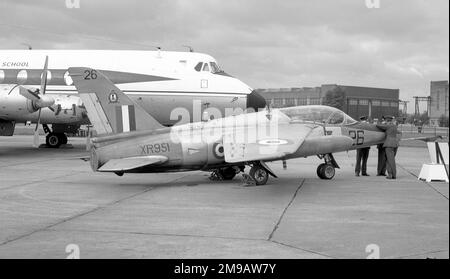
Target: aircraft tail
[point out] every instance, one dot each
(109, 109)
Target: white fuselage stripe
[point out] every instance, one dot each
(125, 119)
(161, 93)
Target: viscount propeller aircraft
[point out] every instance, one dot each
(169, 85)
(131, 141)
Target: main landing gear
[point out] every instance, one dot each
(327, 170)
(258, 175)
(54, 140)
(227, 173)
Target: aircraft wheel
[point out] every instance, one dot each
(228, 173)
(319, 170)
(63, 138)
(53, 140)
(259, 175)
(326, 171)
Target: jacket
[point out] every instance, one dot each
(391, 135)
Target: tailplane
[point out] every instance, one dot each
(109, 109)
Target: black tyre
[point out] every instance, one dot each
(228, 173)
(328, 172)
(63, 138)
(53, 140)
(259, 175)
(319, 170)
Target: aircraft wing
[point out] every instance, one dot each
(425, 139)
(131, 163)
(241, 146)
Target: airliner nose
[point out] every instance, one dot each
(255, 101)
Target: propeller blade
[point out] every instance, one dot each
(36, 131)
(29, 94)
(42, 102)
(44, 77)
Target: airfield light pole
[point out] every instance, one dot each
(418, 99)
(404, 105)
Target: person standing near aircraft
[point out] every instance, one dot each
(362, 154)
(381, 167)
(390, 145)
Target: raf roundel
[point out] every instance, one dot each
(113, 98)
(218, 150)
(273, 142)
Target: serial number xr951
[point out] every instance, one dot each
(155, 148)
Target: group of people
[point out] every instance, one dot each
(386, 150)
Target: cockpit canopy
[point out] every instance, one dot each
(208, 67)
(318, 114)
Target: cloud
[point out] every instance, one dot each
(266, 43)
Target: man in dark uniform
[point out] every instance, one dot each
(381, 168)
(390, 145)
(362, 154)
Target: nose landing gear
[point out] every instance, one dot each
(327, 170)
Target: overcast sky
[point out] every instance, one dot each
(266, 43)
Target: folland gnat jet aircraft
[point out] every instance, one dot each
(159, 81)
(131, 141)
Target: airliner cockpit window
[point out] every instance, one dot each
(206, 67)
(198, 67)
(214, 68)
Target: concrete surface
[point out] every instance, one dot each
(51, 198)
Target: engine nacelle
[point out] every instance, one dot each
(67, 109)
(12, 103)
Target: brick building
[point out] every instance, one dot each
(358, 101)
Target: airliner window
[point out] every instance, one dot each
(198, 67)
(206, 67)
(214, 68)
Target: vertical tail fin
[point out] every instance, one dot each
(109, 109)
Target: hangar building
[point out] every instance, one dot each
(356, 101)
(439, 102)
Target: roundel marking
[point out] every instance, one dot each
(113, 98)
(273, 142)
(218, 150)
(68, 79)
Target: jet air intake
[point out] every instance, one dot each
(256, 101)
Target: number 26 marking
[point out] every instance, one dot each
(89, 75)
(358, 136)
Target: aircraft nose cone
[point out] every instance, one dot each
(255, 101)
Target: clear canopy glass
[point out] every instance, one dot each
(318, 114)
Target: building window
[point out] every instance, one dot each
(353, 102)
(364, 102)
(315, 101)
(302, 102)
(384, 104)
(394, 104)
(277, 102)
(376, 103)
(289, 102)
(437, 100)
